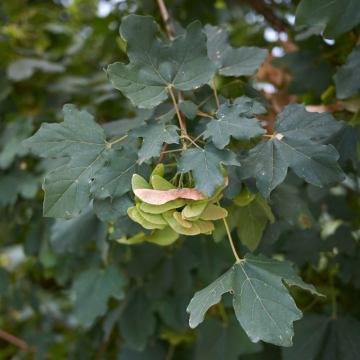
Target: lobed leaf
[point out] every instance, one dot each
(154, 135)
(154, 68)
(293, 145)
(234, 62)
(205, 164)
(231, 122)
(262, 304)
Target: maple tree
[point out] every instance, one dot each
(210, 205)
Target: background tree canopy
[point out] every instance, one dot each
(138, 137)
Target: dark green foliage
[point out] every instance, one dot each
(80, 146)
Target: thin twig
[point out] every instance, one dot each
(162, 154)
(200, 113)
(200, 141)
(170, 151)
(229, 236)
(220, 88)
(187, 137)
(177, 110)
(165, 16)
(215, 93)
(197, 139)
(13, 340)
(117, 141)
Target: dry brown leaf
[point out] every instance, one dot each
(157, 197)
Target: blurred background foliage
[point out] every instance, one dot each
(52, 53)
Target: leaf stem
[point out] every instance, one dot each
(170, 353)
(197, 139)
(229, 236)
(215, 93)
(200, 113)
(187, 137)
(220, 88)
(170, 151)
(117, 141)
(172, 164)
(162, 153)
(182, 125)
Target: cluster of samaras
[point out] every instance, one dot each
(160, 204)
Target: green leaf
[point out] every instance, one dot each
(261, 302)
(73, 235)
(114, 179)
(323, 338)
(154, 68)
(137, 322)
(223, 341)
(205, 164)
(288, 204)
(93, 289)
(111, 210)
(244, 198)
(347, 78)
(235, 62)
(293, 146)
(338, 16)
(187, 107)
(235, 184)
(154, 134)
(79, 137)
(251, 221)
(304, 247)
(25, 68)
(232, 122)
(257, 107)
(15, 132)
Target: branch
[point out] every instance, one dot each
(162, 154)
(165, 16)
(13, 340)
